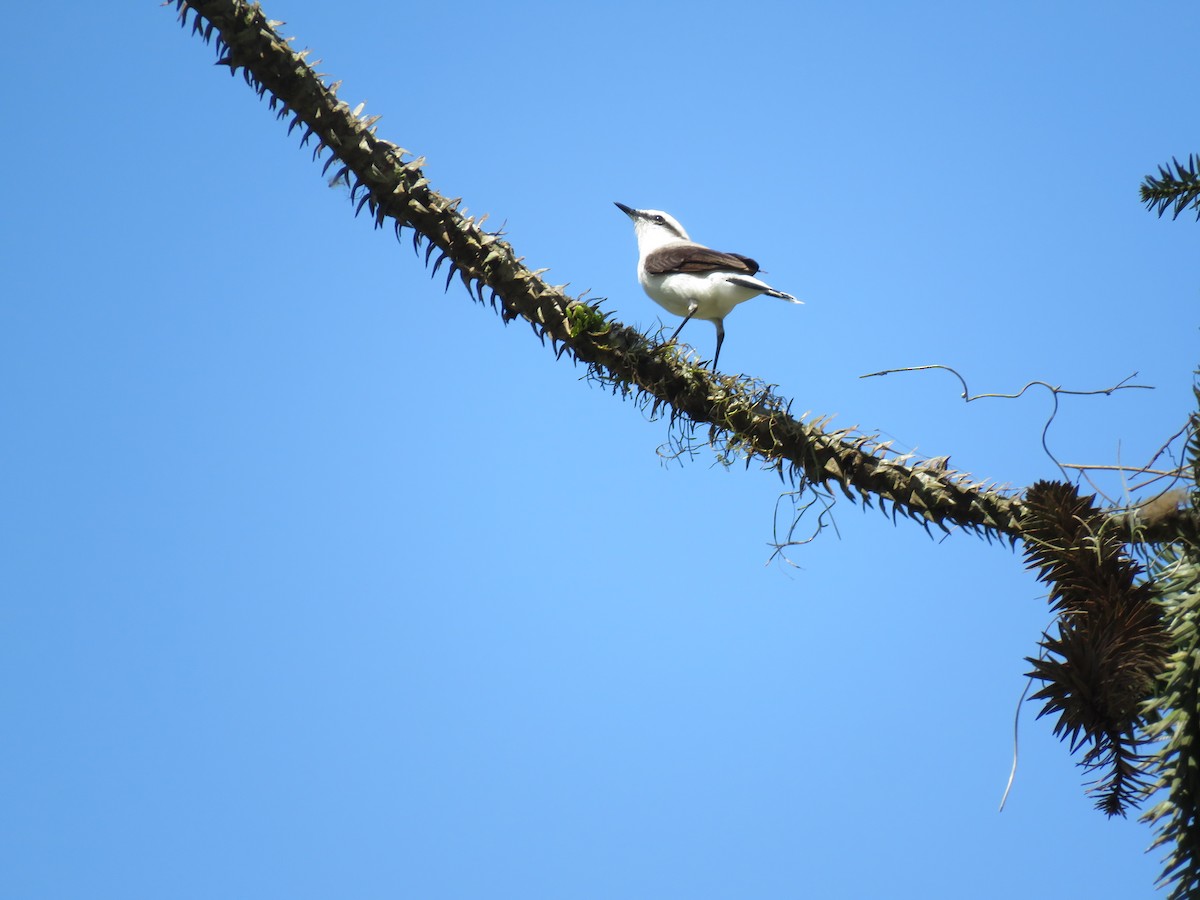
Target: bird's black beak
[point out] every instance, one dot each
(628, 210)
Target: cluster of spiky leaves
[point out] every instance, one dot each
(1110, 644)
(739, 413)
(1176, 707)
(1177, 187)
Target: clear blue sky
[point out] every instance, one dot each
(319, 582)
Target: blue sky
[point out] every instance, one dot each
(321, 582)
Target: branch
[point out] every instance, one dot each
(739, 412)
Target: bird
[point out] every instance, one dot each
(688, 279)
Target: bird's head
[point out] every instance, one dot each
(653, 227)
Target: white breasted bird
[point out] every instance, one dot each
(689, 279)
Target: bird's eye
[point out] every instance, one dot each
(659, 220)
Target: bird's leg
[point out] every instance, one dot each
(692, 307)
(720, 323)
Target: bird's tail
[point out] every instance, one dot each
(755, 285)
(782, 296)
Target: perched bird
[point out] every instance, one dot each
(689, 279)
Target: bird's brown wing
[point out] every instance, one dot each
(696, 258)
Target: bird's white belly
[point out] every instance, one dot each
(713, 293)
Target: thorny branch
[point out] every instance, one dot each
(743, 416)
(1108, 643)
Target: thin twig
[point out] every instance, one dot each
(1185, 430)
(1054, 390)
(1012, 774)
(968, 397)
(1178, 473)
(790, 540)
(1141, 485)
